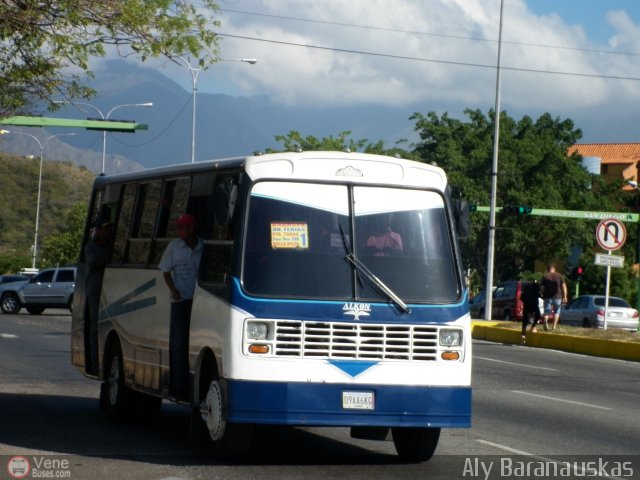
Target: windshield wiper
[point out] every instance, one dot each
(374, 281)
(378, 284)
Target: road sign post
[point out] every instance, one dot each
(611, 235)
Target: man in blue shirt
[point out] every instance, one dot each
(180, 264)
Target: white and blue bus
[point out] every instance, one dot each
(330, 293)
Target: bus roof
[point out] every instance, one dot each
(345, 166)
(312, 165)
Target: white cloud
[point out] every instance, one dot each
(448, 33)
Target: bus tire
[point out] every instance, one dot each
(415, 444)
(227, 439)
(114, 396)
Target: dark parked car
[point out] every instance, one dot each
(588, 311)
(51, 288)
(476, 304)
(506, 303)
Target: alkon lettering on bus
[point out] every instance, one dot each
(357, 310)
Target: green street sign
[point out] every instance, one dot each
(584, 215)
(109, 125)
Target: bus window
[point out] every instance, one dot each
(405, 241)
(94, 211)
(144, 221)
(123, 223)
(218, 232)
(172, 203)
(294, 246)
(178, 205)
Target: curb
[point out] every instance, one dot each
(494, 332)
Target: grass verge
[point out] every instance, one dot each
(609, 334)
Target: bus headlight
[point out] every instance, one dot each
(257, 331)
(450, 337)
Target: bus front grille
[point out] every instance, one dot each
(362, 341)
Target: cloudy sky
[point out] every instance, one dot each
(576, 59)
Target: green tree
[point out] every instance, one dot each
(63, 246)
(12, 262)
(533, 170)
(44, 43)
(294, 141)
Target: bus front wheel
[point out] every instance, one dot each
(227, 438)
(415, 444)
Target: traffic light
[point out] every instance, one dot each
(517, 209)
(473, 207)
(524, 210)
(577, 273)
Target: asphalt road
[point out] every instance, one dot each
(527, 401)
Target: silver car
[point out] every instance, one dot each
(588, 311)
(51, 288)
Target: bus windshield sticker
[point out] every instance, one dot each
(287, 235)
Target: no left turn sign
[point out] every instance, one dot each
(611, 234)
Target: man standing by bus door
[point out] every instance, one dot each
(96, 253)
(180, 263)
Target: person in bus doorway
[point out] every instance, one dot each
(554, 293)
(530, 307)
(180, 263)
(96, 253)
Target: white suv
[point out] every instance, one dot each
(51, 288)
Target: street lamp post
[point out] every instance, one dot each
(194, 83)
(106, 117)
(41, 145)
(636, 187)
(194, 88)
(494, 179)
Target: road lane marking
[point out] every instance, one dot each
(505, 448)
(516, 364)
(545, 397)
(8, 335)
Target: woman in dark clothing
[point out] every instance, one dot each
(531, 309)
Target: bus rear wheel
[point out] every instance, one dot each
(415, 444)
(114, 396)
(227, 439)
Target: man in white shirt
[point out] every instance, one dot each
(180, 264)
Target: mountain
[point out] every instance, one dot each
(63, 186)
(226, 126)
(235, 126)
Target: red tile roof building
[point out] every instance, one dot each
(617, 160)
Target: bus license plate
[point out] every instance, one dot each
(358, 400)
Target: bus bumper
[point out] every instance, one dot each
(311, 404)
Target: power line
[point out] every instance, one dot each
(430, 60)
(161, 132)
(430, 34)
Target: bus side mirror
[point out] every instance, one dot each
(461, 213)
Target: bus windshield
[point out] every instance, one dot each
(302, 239)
